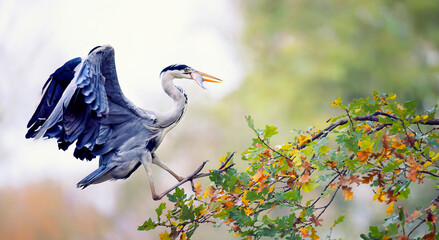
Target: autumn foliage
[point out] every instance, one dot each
(376, 142)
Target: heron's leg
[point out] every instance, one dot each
(156, 160)
(146, 160)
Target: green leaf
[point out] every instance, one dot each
(404, 193)
(391, 166)
(363, 236)
(392, 229)
(251, 125)
(410, 107)
(267, 232)
(198, 209)
(187, 213)
(216, 177)
(293, 195)
(375, 233)
(148, 225)
(270, 131)
(252, 196)
(338, 220)
(403, 186)
(159, 210)
(266, 220)
(239, 216)
(178, 195)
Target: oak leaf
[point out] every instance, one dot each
(389, 209)
(304, 178)
(258, 174)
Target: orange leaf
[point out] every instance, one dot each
(413, 216)
(398, 145)
(197, 189)
(303, 139)
(304, 232)
(431, 217)
(331, 164)
(316, 221)
(354, 179)
(363, 155)
(258, 174)
(412, 174)
(348, 194)
(429, 236)
(304, 178)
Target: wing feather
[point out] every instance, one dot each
(88, 107)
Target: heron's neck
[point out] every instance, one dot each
(178, 96)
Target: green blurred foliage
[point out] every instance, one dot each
(305, 53)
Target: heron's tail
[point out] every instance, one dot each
(97, 176)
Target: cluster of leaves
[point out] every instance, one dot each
(376, 142)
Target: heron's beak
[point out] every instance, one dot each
(201, 77)
(209, 78)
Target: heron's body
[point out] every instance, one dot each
(82, 102)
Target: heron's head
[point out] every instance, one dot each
(186, 72)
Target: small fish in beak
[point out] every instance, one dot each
(198, 79)
(201, 77)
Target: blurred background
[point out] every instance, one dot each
(281, 61)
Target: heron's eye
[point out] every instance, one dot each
(187, 70)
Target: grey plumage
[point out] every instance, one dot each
(82, 102)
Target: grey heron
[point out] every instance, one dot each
(82, 102)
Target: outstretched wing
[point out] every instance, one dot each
(82, 101)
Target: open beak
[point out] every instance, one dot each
(209, 78)
(201, 77)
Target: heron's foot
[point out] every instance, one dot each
(188, 178)
(195, 173)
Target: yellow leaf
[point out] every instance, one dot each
(183, 236)
(248, 211)
(389, 209)
(271, 189)
(165, 236)
(336, 102)
(366, 144)
(237, 190)
(244, 197)
(379, 196)
(309, 186)
(314, 236)
(207, 192)
(426, 164)
(324, 149)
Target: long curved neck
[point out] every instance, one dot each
(179, 97)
